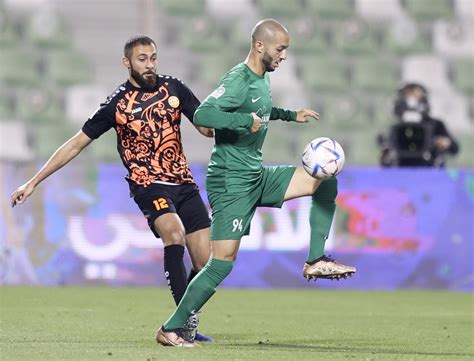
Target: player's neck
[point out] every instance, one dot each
(255, 64)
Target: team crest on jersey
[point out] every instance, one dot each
(173, 101)
(218, 92)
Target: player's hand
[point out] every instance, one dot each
(257, 123)
(22, 193)
(442, 143)
(303, 115)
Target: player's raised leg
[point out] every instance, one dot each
(322, 210)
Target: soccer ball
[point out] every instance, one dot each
(323, 158)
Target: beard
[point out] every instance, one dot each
(147, 83)
(267, 62)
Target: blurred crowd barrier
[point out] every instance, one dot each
(401, 228)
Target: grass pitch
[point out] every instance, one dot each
(119, 324)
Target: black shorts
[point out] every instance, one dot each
(184, 200)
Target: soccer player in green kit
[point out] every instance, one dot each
(240, 110)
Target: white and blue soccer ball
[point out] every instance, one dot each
(323, 158)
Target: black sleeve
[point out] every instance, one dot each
(100, 122)
(440, 130)
(189, 102)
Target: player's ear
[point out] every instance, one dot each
(126, 62)
(259, 46)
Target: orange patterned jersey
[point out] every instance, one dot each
(148, 127)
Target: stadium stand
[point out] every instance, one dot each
(351, 54)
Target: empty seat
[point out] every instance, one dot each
(307, 37)
(280, 8)
(404, 36)
(429, 70)
(18, 67)
(356, 37)
(67, 67)
(45, 28)
(454, 39)
(324, 74)
(463, 76)
(429, 9)
(345, 112)
(48, 138)
(183, 7)
(376, 10)
(374, 75)
(39, 105)
(335, 9)
(202, 35)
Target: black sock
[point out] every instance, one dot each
(191, 275)
(175, 272)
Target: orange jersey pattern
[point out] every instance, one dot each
(148, 129)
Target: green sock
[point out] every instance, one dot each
(201, 288)
(321, 214)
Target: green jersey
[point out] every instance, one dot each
(236, 160)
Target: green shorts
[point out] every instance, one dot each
(233, 212)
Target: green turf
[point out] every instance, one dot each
(119, 324)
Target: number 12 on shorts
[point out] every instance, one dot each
(160, 203)
(237, 224)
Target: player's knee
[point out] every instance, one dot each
(327, 190)
(172, 236)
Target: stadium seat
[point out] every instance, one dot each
(8, 36)
(454, 39)
(67, 67)
(362, 149)
(307, 37)
(45, 28)
(335, 9)
(404, 36)
(345, 112)
(83, 100)
(374, 75)
(381, 111)
(429, 70)
(183, 7)
(202, 35)
(280, 8)
(39, 106)
(356, 37)
(214, 67)
(18, 67)
(378, 11)
(324, 74)
(49, 137)
(429, 10)
(463, 76)
(466, 150)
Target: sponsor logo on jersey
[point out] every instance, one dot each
(254, 100)
(173, 101)
(136, 110)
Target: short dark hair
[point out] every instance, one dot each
(134, 41)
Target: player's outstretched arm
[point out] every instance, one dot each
(60, 157)
(303, 115)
